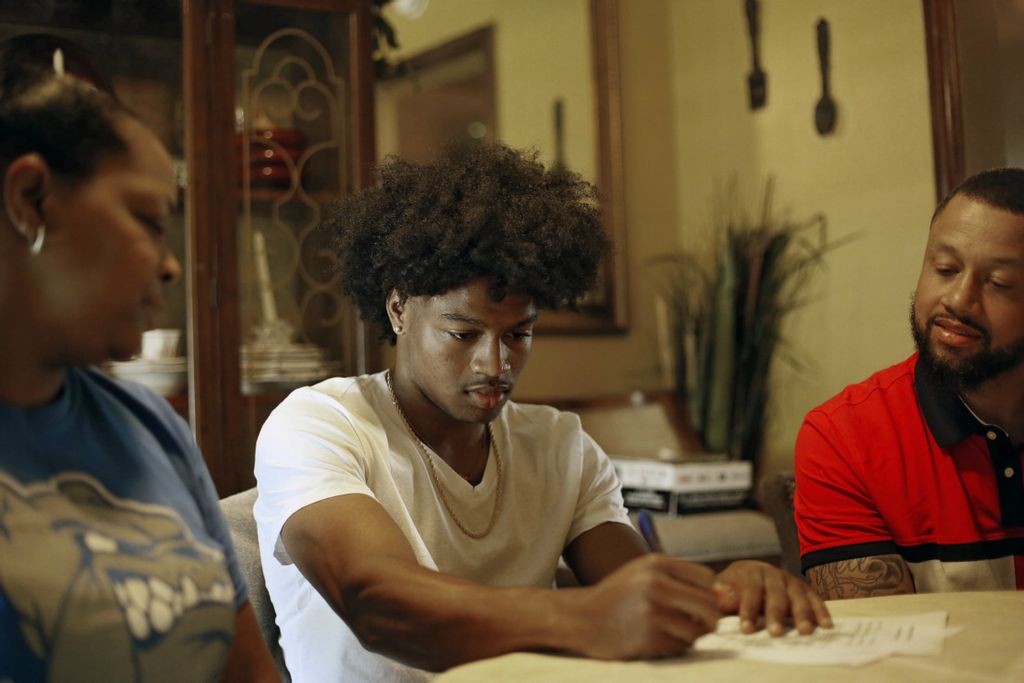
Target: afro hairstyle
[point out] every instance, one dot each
(482, 210)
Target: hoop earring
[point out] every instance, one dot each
(58, 62)
(37, 243)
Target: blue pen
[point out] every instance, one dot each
(648, 531)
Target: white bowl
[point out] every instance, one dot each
(166, 377)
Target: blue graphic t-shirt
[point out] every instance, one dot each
(115, 562)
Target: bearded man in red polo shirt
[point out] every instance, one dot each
(911, 480)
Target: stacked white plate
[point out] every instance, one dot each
(285, 364)
(165, 376)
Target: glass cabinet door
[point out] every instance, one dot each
(138, 44)
(292, 147)
(296, 148)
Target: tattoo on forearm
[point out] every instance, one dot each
(863, 577)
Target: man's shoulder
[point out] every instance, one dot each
(888, 390)
(340, 390)
(541, 424)
(352, 399)
(540, 415)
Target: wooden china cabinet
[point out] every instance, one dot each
(266, 106)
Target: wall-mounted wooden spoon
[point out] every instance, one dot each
(757, 81)
(825, 110)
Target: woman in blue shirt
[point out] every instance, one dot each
(115, 563)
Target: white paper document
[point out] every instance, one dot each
(852, 641)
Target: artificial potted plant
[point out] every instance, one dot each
(726, 312)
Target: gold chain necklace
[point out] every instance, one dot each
(421, 447)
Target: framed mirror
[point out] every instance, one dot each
(533, 74)
(974, 48)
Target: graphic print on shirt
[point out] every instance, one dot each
(86, 577)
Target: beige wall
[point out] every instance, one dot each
(687, 128)
(872, 177)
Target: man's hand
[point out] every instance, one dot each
(750, 589)
(653, 606)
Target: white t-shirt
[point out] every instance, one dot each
(345, 436)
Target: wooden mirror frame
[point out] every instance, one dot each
(609, 313)
(944, 88)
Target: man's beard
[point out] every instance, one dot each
(965, 374)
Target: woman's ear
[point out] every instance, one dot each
(395, 306)
(25, 182)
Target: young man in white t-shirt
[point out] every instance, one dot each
(422, 507)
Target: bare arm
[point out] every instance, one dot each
(357, 558)
(598, 552)
(862, 577)
(249, 659)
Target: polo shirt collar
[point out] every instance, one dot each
(949, 420)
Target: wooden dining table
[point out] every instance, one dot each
(989, 648)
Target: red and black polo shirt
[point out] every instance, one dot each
(894, 465)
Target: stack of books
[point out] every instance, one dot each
(658, 472)
(683, 483)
